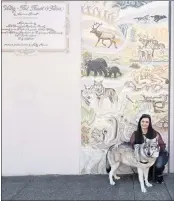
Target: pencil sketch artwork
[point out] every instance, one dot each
(28, 26)
(124, 73)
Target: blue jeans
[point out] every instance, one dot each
(162, 159)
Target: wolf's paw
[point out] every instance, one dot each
(112, 183)
(116, 177)
(149, 184)
(144, 190)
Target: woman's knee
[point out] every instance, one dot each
(159, 162)
(162, 159)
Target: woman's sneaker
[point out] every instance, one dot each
(159, 179)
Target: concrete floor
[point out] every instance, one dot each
(83, 187)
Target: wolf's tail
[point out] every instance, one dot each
(108, 167)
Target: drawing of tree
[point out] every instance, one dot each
(88, 9)
(86, 57)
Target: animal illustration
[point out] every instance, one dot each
(157, 18)
(144, 40)
(135, 66)
(98, 66)
(87, 94)
(99, 135)
(104, 132)
(124, 153)
(148, 47)
(102, 93)
(145, 18)
(102, 35)
(155, 45)
(145, 54)
(148, 79)
(105, 129)
(113, 70)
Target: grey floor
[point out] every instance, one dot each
(83, 187)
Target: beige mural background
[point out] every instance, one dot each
(123, 76)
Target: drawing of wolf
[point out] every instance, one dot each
(125, 154)
(88, 94)
(102, 93)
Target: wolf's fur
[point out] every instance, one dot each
(124, 153)
(103, 93)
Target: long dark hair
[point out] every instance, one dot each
(139, 135)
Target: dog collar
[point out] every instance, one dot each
(143, 162)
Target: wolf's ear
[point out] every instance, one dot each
(155, 139)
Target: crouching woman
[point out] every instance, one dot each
(145, 129)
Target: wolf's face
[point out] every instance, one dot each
(98, 86)
(151, 148)
(88, 94)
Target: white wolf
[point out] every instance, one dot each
(142, 159)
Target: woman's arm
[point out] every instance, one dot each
(161, 142)
(132, 139)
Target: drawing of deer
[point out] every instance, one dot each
(152, 44)
(101, 35)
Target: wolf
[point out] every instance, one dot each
(142, 159)
(87, 94)
(157, 18)
(101, 93)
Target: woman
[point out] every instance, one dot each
(145, 129)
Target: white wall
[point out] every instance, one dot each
(41, 109)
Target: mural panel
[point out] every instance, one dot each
(124, 73)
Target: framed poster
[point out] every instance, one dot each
(29, 26)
